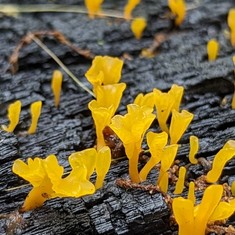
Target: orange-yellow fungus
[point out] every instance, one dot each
(129, 7)
(104, 70)
(220, 159)
(156, 142)
(131, 128)
(178, 8)
(85, 157)
(138, 26)
(193, 220)
(93, 7)
(56, 84)
(233, 99)
(177, 92)
(13, 115)
(179, 124)
(163, 181)
(212, 49)
(180, 182)
(147, 99)
(194, 146)
(231, 24)
(103, 163)
(191, 192)
(35, 114)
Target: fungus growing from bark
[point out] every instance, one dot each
(231, 24)
(178, 8)
(179, 124)
(138, 25)
(180, 182)
(56, 83)
(13, 116)
(130, 128)
(35, 109)
(129, 7)
(212, 49)
(163, 181)
(93, 7)
(194, 146)
(220, 159)
(191, 192)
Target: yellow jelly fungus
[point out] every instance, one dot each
(85, 157)
(103, 163)
(147, 99)
(220, 159)
(138, 26)
(131, 128)
(180, 183)
(233, 99)
(129, 7)
(193, 220)
(93, 7)
(178, 8)
(35, 114)
(179, 124)
(13, 115)
(194, 146)
(56, 84)
(104, 70)
(177, 92)
(156, 142)
(163, 181)
(102, 118)
(191, 192)
(212, 49)
(231, 24)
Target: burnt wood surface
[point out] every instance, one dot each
(181, 59)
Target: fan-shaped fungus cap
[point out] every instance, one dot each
(156, 142)
(179, 124)
(129, 7)
(178, 8)
(177, 92)
(102, 118)
(231, 24)
(147, 99)
(180, 182)
(103, 163)
(191, 192)
(212, 49)
(104, 70)
(130, 129)
(194, 146)
(220, 159)
(35, 114)
(13, 115)
(93, 7)
(56, 84)
(138, 25)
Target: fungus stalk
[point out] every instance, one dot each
(56, 84)
(35, 113)
(212, 49)
(180, 183)
(194, 146)
(93, 7)
(129, 7)
(231, 24)
(137, 27)
(178, 8)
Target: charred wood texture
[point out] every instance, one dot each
(181, 59)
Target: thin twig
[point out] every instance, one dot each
(60, 63)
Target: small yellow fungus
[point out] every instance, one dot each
(56, 84)
(180, 183)
(130, 128)
(179, 124)
(35, 113)
(163, 181)
(138, 25)
(156, 142)
(129, 7)
(178, 8)
(220, 159)
(93, 7)
(104, 70)
(231, 24)
(177, 92)
(191, 192)
(194, 146)
(147, 99)
(103, 163)
(13, 115)
(212, 49)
